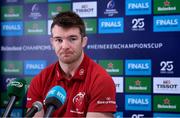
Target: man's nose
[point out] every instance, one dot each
(65, 44)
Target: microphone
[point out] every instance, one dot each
(16, 91)
(55, 98)
(37, 106)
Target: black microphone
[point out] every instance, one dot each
(37, 106)
(55, 98)
(16, 91)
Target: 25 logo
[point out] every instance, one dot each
(137, 116)
(166, 66)
(138, 23)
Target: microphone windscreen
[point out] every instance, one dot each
(16, 88)
(56, 97)
(38, 105)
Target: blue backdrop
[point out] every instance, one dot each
(136, 41)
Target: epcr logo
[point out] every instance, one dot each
(137, 116)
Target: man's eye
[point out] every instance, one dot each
(58, 40)
(72, 39)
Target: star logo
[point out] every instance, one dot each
(59, 8)
(166, 101)
(11, 10)
(137, 83)
(166, 3)
(11, 66)
(110, 65)
(35, 26)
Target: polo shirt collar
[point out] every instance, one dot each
(79, 74)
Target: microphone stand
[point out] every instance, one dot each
(49, 111)
(9, 106)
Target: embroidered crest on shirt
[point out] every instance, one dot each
(78, 103)
(81, 71)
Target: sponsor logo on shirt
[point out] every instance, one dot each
(138, 67)
(106, 100)
(166, 23)
(85, 9)
(138, 7)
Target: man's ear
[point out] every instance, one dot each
(51, 41)
(84, 41)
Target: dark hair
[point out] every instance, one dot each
(69, 19)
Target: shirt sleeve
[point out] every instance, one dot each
(34, 92)
(103, 96)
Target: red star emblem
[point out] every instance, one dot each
(166, 101)
(11, 66)
(35, 26)
(166, 3)
(138, 83)
(59, 8)
(110, 65)
(11, 10)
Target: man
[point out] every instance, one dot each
(80, 76)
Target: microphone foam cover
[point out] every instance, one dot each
(16, 88)
(56, 96)
(38, 105)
